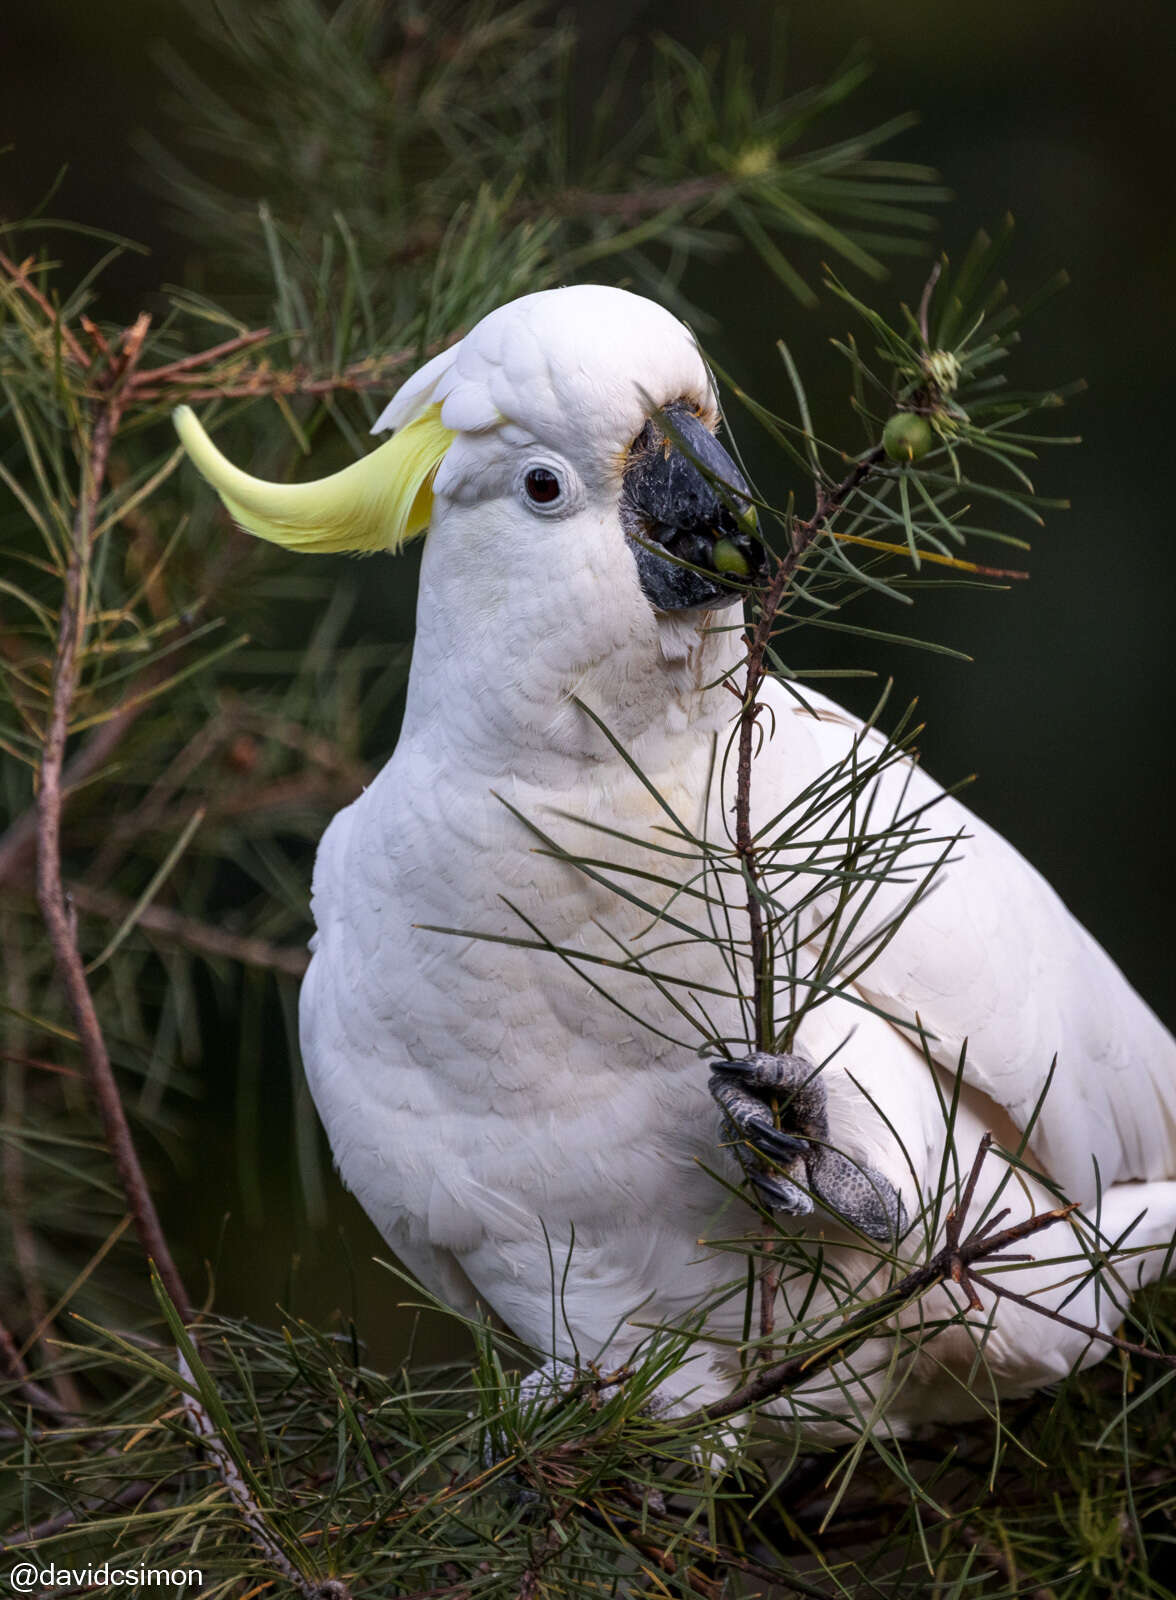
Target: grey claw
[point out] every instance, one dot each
(752, 1119)
(747, 1091)
(778, 1194)
(746, 1068)
(775, 1142)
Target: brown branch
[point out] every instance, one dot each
(20, 277)
(830, 500)
(96, 337)
(193, 934)
(19, 842)
(769, 1283)
(51, 897)
(952, 1262)
(1030, 1304)
(955, 1221)
(371, 373)
(145, 378)
(242, 1496)
(33, 1392)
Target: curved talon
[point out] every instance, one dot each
(778, 1194)
(752, 1119)
(775, 1142)
(746, 1090)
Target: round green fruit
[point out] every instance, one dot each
(907, 437)
(727, 557)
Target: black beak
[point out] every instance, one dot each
(684, 495)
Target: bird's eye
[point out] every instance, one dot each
(542, 486)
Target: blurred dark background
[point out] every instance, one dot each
(1063, 115)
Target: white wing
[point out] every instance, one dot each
(993, 957)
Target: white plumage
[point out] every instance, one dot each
(483, 1101)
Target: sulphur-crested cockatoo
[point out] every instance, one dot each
(505, 1124)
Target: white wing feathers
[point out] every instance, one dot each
(991, 956)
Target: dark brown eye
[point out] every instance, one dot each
(541, 486)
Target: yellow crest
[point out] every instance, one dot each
(377, 503)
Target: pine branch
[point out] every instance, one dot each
(51, 896)
(625, 206)
(952, 1262)
(191, 933)
(20, 276)
(767, 603)
(34, 1393)
(18, 842)
(242, 1497)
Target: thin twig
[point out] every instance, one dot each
(19, 842)
(193, 934)
(231, 1476)
(769, 1283)
(925, 304)
(955, 1221)
(50, 799)
(63, 1520)
(371, 373)
(955, 1257)
(33, 1392)
(829, 502)
(20, 277)
(1003, 1293)
(146, 377)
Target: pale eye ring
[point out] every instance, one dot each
(542, 486)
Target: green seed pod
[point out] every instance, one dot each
(907, 436)
(727, 557)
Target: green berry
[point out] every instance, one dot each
(727, 557)
(907, 436)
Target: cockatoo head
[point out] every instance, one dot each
(562, 456)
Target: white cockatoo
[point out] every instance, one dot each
(525, 1141)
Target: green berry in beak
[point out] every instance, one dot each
(727, 557)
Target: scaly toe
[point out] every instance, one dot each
(778, 1194)
(772, 1074)
(860, 1194)
(752, 1119)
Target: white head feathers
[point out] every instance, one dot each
(576, 369)
(581, 363)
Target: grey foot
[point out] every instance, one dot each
(801, 1163)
